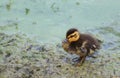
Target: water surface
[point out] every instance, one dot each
(49, 20)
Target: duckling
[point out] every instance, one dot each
(80, 44)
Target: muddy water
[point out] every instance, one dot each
(25, 58)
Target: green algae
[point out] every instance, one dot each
(9, 26)
(77, 3)
(27, 11)
(9, 4)
(111, 30)
(54, 8)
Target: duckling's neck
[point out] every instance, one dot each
(77, 43)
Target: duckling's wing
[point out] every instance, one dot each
(83, 49)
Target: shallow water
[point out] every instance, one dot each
(49, 20)
(21, 57)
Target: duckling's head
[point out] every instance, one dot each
(72, 35)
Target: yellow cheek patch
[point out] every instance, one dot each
(73, 37)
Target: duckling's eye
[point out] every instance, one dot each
(73, 36)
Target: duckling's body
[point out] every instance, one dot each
(80, 44)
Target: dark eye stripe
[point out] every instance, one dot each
(73, 36)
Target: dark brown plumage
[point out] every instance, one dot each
(80, 44)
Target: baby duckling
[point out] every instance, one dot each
(80, 44)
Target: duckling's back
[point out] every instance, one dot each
(92, 42)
